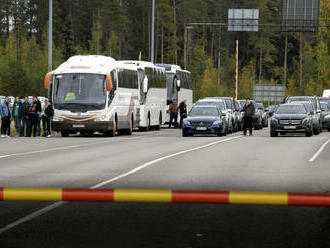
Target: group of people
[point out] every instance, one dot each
(175, 110)
(27, 117)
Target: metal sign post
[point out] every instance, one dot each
(50, 37)
(236, 71)
(153, 33)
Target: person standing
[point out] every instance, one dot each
(6, 114)
(173, 109)
(47, 117)
(25, 117)
(249, 110)
(183, 111)
(17, 115)
(34, 112)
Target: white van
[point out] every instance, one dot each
(326, 93)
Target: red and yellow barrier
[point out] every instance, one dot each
(164, 196)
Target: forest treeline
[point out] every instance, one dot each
(122, 28)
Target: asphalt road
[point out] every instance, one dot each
(257, 163)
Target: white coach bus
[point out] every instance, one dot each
(152, 95)
(93, 94)
(179, 85)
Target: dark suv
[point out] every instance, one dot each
(291, 118)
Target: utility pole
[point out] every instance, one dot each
(219, 58)
(174, 16)
(236, 71)
(153, 33)
(50, 37)
(285, 58)
(300, 63)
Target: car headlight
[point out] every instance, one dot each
(305, 120)
(185, 122)
(217, 122)
(274, 121)
(327, 116)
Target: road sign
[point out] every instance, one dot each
(300, 15)
(243, 19)
(268, 92)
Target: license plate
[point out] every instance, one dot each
(201, 128)
(290, 127)
(78, 126)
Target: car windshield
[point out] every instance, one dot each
(303, 99)
(324, 106)
(220, 104)
(229, 104)
(72, 90)
(291, 109)
(260, 105)
(204, 111)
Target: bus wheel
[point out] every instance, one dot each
(111, 134)
(159, 122)
(64, 134)
(129, 131)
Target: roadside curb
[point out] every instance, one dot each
(164, 196)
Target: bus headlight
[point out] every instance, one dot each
(56, 118)
(101, 118)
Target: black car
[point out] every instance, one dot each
(264, 115)
(204, 119)
(271, 109)
(257, 117)
(291, 118)
(325, 115)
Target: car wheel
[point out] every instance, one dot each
(64, 134)
(317, 131)
(184, 134)
(309, 133)
(273, 134)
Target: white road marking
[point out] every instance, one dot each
(319, 151)
(64, 147)
(99, 185)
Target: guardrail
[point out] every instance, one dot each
(164, 196)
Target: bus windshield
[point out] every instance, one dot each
(79, 90)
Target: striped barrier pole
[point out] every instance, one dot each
(164, 196)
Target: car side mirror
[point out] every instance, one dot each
(145, 84)
(223, 113)
(318, 111)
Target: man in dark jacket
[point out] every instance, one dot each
(25, 117)
(34, 112)
(17, 115)
(47, 117)
(183, 111)
(249, 110)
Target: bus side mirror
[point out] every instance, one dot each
(47, 79)
(109, 82)
(145, 85)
